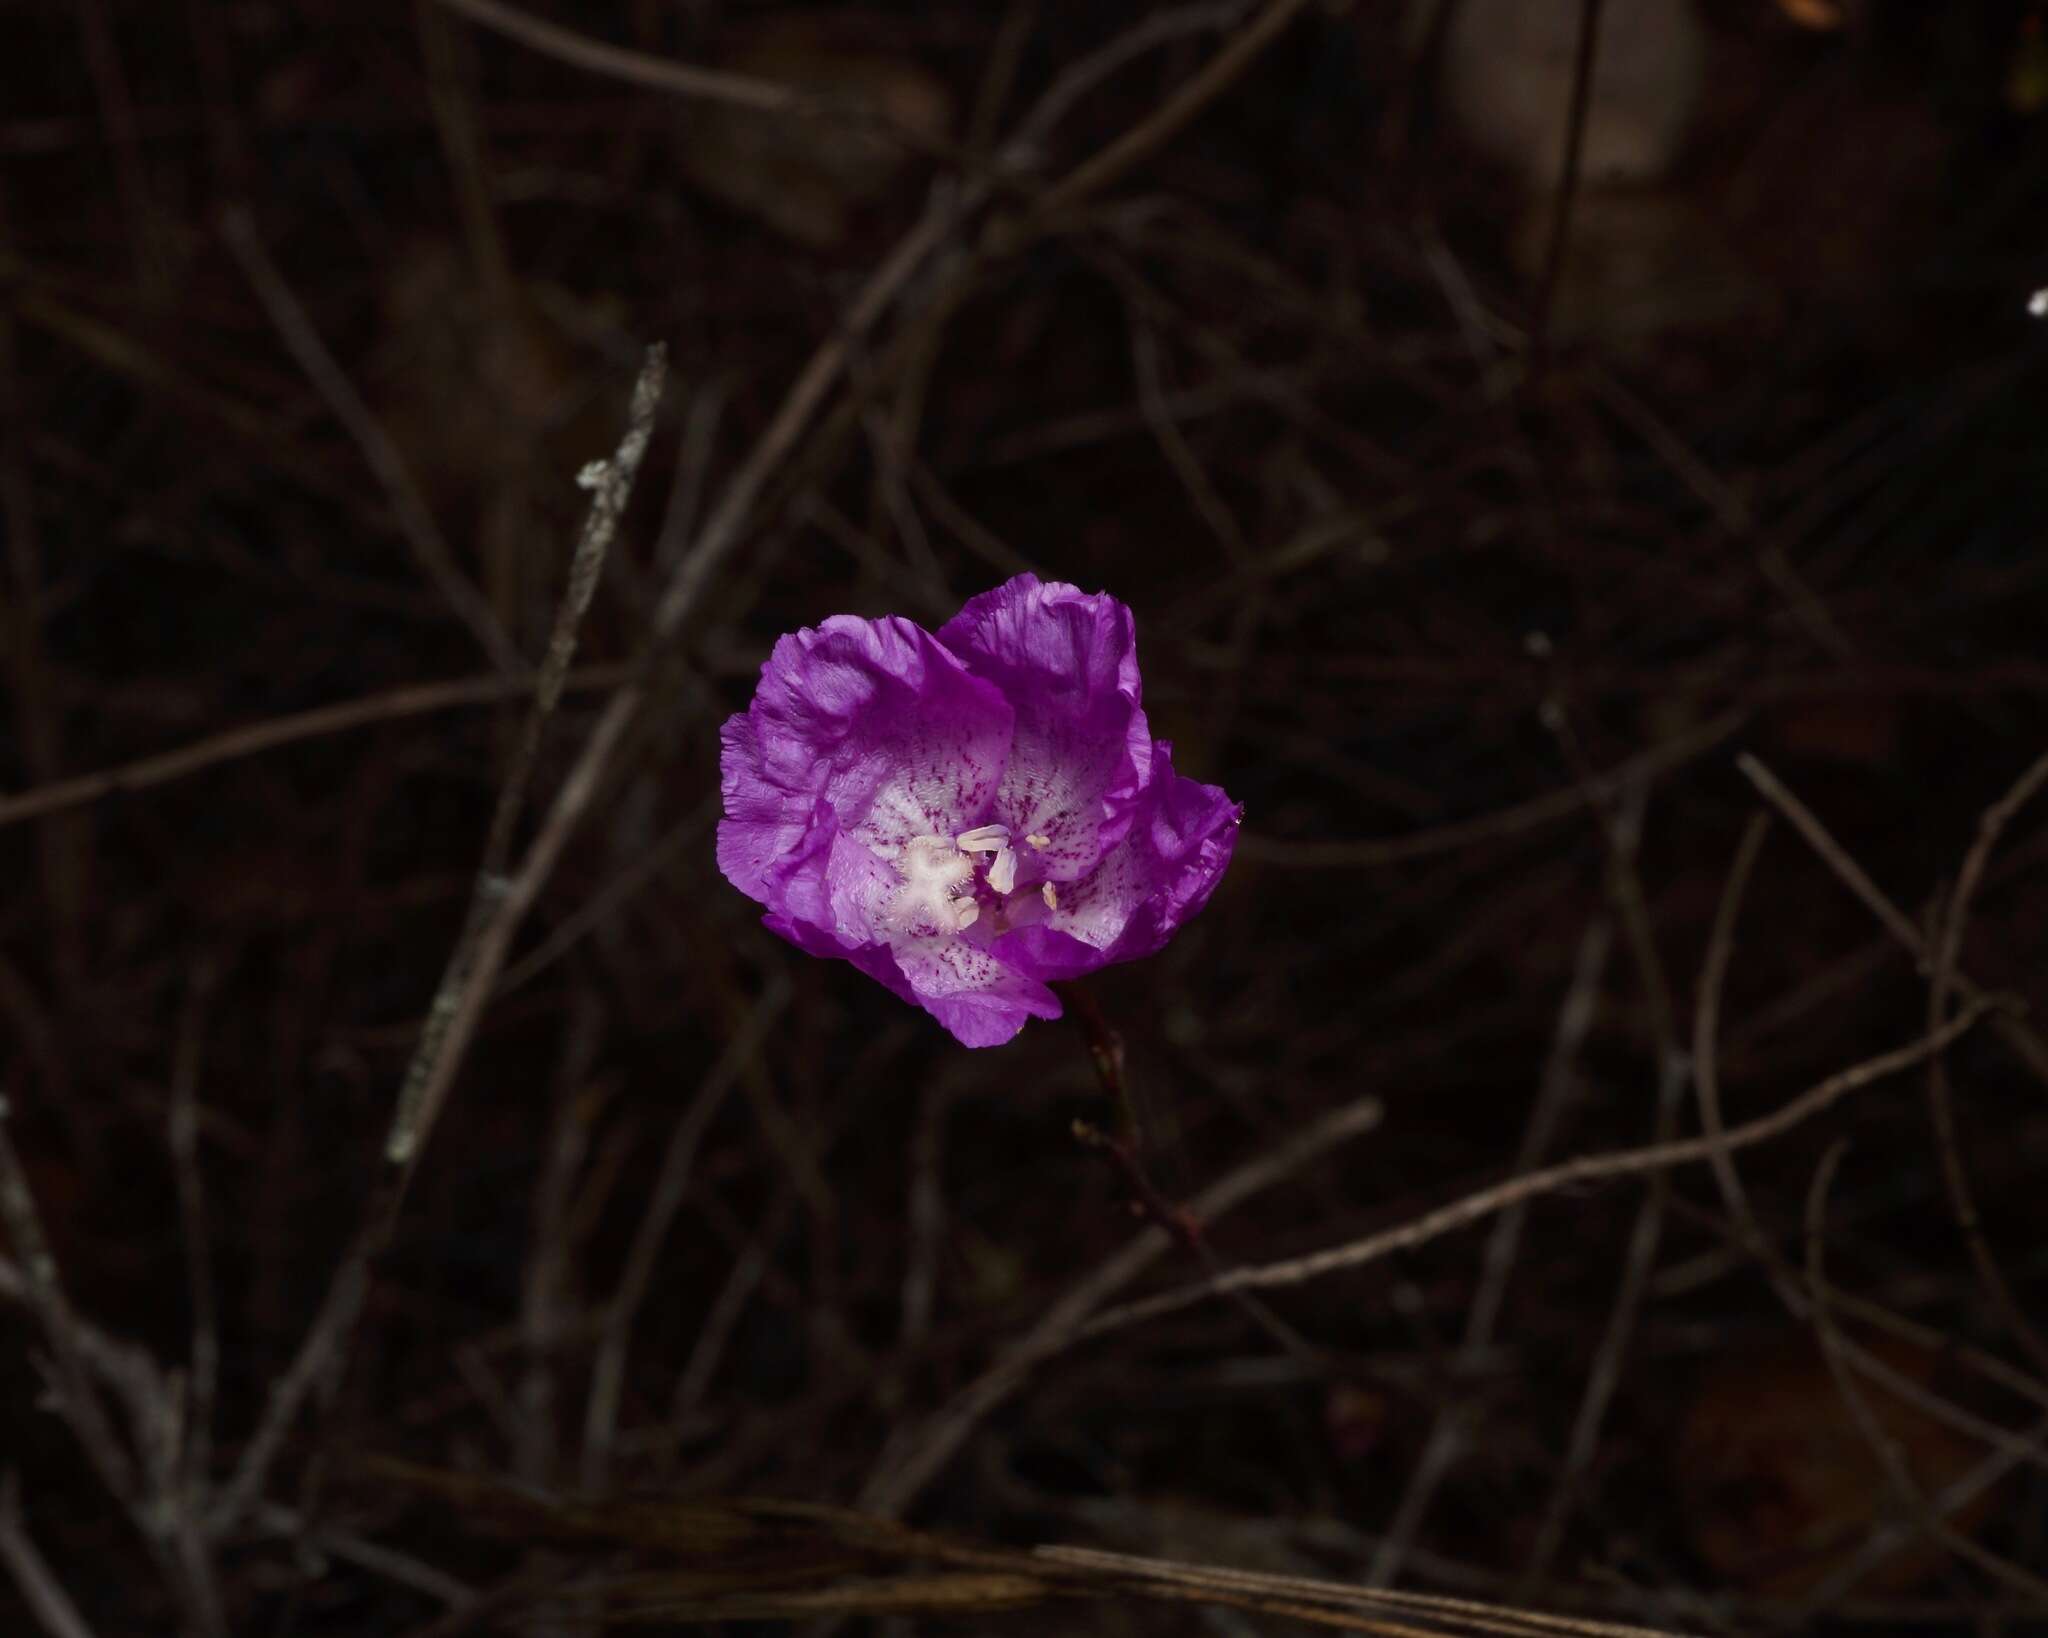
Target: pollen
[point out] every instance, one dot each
(1045, 892)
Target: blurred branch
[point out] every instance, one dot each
(154, 1488)
(235, 743)
(497, 907)
(1167, 120)
(1927, 1517)
(608, 1370)
(1940, 1095)
(2014, 1030)
(184, 1146)
(467, 986)
(1571, 1174)
(1560, 1078)
(45, 1596)
(914, 1457)
(634, 67)
(1585, 54)
(416, 520)
(44, 1291)
(1285, 853)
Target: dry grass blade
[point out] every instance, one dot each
(1452, 1614)
(753, 1559)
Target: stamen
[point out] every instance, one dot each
(1039, 839)
(983, 839)
(1045, 892)
(1002, 872)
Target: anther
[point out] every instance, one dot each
(1002, 871)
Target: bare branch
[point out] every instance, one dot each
(915, 1457)
(1572, 1173)
(415, 518)
(45, 1596)
(257, 737)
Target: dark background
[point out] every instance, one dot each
(1471, 582)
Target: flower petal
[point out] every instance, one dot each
(961, 984)
(1143, 891)
(1081, 754)
(862, 731)
(964, 986)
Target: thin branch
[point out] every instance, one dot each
(915, 1457)
(117, 114)
(1571, 1174)
(1706, 1033)
(608, 1371)
(603, 901)
(546, 1287)
(415, 518)
(1623, 830)
(45, 1293)
(1166, 121)
(184, 1146)
(401, 1569)
(460, 1004)
(1079, 78)
(40, 1590)
(497, 908)
(1884, 1542)
(1605, 1376)
(1559, 1078)
(1897, 1471)
(611, 485)
(236, 743)
(1940, 1095)
(1584, 57)
(1749, 1232)
(635, 67)
(1125, 1153)
(2012, 1029)
(724, 1314)
(1288, 854)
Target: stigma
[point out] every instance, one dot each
(936, 894)
(937, 891)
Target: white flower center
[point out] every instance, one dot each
(934, 874)
(937, 895)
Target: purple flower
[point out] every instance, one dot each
(968, 815)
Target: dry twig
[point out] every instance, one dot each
(1572, 1173)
